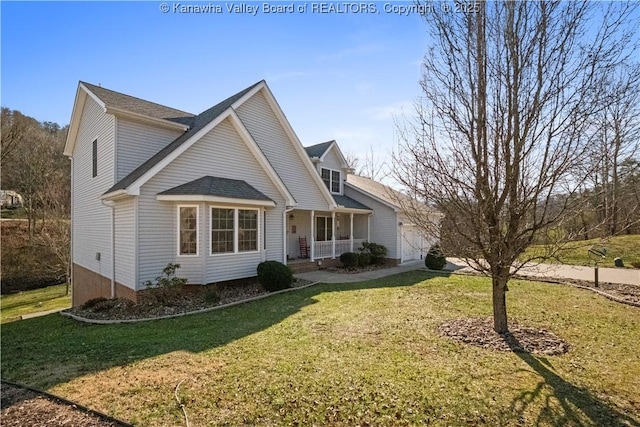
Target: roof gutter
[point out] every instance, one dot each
(115, 195)
(162, 122)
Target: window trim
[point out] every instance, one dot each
(197, 231)
(331, 181)
(236, 230)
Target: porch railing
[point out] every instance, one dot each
(324, 249)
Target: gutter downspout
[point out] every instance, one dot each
(70, 267)
(113, 246)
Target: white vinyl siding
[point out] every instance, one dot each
(257, 116)
(383, 225)
(91, 221)
(138, 142)
(221, 152)
(125, 247)
(331, 161)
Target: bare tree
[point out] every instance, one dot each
(372, 165)
(15, 128)
(617, 131)
(499, 140)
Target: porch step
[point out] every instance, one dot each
(303, 267)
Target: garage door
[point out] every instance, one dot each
(411, 243)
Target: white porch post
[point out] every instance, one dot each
(333, 235)
(351, 232)
(312, 240)
(369, 228)
(285, 242)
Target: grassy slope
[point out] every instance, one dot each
(13, 306)
(576, 253)
(343, 355)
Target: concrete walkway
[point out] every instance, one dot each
(326, 276)
(625, 276)
(548, 271)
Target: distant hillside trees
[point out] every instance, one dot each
(33, 164)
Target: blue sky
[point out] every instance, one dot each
(336, 75)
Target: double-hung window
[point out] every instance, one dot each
(234, 230)
(188, 232)
(247, 230)
(331, 179)
(222, 230)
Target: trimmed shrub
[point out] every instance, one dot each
(349, 259)
(364, 259)
(167, 288)
(377, 253)
(435, 259)
(274, 276)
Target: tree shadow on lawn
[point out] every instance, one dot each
(567, 404)
(53, 349)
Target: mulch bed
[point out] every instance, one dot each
(124, 309)
(629, 293)
(22, 407)
(519, 339)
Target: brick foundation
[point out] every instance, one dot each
(88, 284)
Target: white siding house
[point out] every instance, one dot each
(218, 193)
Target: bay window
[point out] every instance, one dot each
(234, 230)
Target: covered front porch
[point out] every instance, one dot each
(317, 235)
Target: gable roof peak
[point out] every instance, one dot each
(318, 150)
(127, 103)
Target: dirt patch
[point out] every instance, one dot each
(123, 309)
(23, 407)
(519, 339)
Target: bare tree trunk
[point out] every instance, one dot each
(500, 304)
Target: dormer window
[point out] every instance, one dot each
(331, 179)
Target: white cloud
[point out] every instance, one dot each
(388, 112)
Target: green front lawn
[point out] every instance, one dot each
(576, 253)
(12, 306)
(343, 355)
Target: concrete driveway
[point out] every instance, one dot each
(625, 276)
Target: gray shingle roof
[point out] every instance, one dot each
(349, 203)
(140, 106)
(198, 122)
(319, 149)
(377, 189)
(219, 187)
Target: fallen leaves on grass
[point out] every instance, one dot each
(23, 407)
